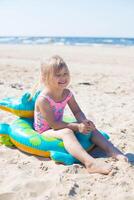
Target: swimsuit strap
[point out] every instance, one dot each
(68, 97)
(52, 102)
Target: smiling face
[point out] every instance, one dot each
(60, 79)
(54, 73)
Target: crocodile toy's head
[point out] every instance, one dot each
(22, 107)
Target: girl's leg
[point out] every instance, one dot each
(75, 149)
(98, 139)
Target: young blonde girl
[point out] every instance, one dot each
(48, 114)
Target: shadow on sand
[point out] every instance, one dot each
(99, 153)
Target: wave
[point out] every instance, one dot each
(77, 41)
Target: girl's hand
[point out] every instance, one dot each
(89, 124)
(86, 126)
(82, 128)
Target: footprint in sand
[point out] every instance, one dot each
(8, 195)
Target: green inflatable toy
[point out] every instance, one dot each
(22, 134)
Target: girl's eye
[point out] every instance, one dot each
(59, 75)
(65, 74)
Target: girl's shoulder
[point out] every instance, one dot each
(68, 94)
(42, 98)
(42, 103)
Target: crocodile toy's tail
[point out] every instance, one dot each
(4, 134)
(63, 158)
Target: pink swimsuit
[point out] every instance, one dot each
(40, 124)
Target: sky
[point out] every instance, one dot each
(98, 18)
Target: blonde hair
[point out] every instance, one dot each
(47, 69)
(51, 66)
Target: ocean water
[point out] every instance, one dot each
(68, 40)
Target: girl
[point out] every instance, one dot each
(48, 115)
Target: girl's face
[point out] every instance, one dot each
(60, 79)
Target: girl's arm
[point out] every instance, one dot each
(48, 115)
(79, 115)
(85, 124)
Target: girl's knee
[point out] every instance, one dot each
(67, 132)
(60, 134)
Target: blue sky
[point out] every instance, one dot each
(67, 18)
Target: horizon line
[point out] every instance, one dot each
(52, 36)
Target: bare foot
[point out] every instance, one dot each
(117, 154)
(120, 157)
(97, 167)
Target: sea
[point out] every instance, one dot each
(75, 41)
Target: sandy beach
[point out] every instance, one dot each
(102, 80)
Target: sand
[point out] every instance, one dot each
(102, 80)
